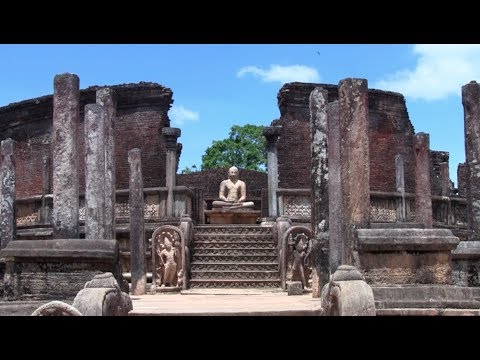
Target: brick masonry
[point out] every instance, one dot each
(390, 133)
(141, 113)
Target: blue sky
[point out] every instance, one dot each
(216, 86)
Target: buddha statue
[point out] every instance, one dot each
(233, 192)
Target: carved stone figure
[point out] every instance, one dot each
(168, 259)
(299, 257)
(233, 192)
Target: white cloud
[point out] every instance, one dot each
(282, 74)
(180, 115)
(441, 70)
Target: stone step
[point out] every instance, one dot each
(426, 296)
(259, 266)
(232, 245)
(233, 283)
(397, 225)
(233, 229)
(427, 312)
(235, 274)
(406, 240)
(235, 251)
(234, 258)
(237, 238)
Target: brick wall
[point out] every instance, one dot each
(390, 130)
(141, 113)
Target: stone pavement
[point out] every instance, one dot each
(225, 302)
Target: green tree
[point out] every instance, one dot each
(189, 170)
(244, 148)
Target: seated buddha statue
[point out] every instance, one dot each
(233, 193)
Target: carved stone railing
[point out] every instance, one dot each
(294, 203)
(386, 206)
(34, 210)
(449, 211)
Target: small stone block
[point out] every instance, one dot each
(294, 288)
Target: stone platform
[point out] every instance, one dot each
(233, 216)
(226, 302)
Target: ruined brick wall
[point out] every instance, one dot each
(141, 113)
(390, 130)
(209, 181)
(462, 179)
(436, 158)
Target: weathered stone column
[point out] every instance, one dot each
(319, 181)
(8, 226)
(445, 174)
(400, 182)
(335, 240)
(66, 116)
(171, 135)
(108, 99)
(45, 189)
(354, 152)
(471, 109)
(95, 116)
(271, 134)
(423, 190)
(138, 266)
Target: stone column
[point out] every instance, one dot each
(108, 99)
(445, 175)
(45, 189)
(271, 134)
(423, 190)
(354, 153)
(335, 241)
(138, 266)
(400, 181)
(319, 180)
(95, 116)
(171, 135)
(471, 110)
(8, 226)
(66, 116)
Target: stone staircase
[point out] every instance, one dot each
(234, 256)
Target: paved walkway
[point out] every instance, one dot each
(225, 302)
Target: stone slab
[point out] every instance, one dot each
(62, 248)
(232, 217)
(467, 250)
(406, 240)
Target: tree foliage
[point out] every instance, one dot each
(244, 148)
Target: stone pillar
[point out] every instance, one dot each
(354, 153)
(66, 116)
(445, 175)
(45, 189)
(335, 241)
(108, 99)
(8, 226)
(319, 182)
(138, 264)
(95, 116)
(271, 134)
(171, 135)
(423, 190)
(471, 109)
(400, 181)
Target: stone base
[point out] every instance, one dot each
(237, 216)
(56, 269)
